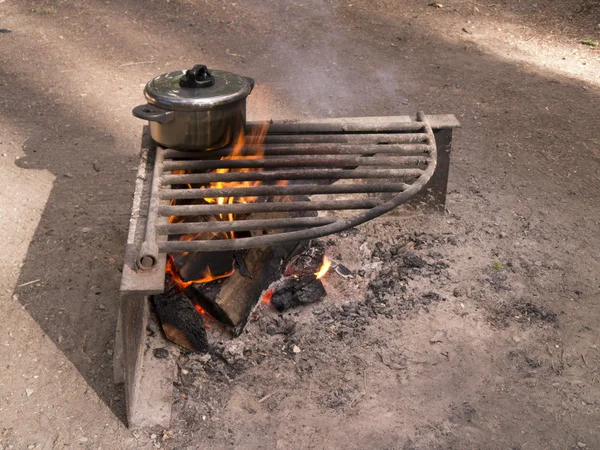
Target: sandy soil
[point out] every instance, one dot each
(492, 342)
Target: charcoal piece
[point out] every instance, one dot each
(297, 291)
(181, 322)
(343, 271)
(413, 260)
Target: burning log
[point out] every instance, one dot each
(181, 321)
(232, 300)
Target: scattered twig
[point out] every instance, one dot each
(493, 5)
(136, 63)
(356, 399)
(233, 54)
(29, 282)
(584, 361)
(268, 396)
(365, 378)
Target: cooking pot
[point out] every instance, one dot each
(196, 109)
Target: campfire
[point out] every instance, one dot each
(226, 286)
(227, 214)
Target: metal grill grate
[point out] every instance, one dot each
(347, 166)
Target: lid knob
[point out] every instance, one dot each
(197, 77)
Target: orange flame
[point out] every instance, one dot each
(245, 147)
(324, 268)
(253, 141)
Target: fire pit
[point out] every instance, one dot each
(214, 232)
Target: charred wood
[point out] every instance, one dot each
(295, 291)
(180, 321)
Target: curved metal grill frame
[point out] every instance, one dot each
(343, 146)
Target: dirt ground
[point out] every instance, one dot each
(478, 329)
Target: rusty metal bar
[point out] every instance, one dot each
(292, 174)
(305, 149)
(267, 207)
(337, 127)
(399, 138)
(296, 189)
(243, 225)
(148, 255)
(303, 161)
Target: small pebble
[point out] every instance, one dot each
(86, 230)
(68, 175)
(28, 392)
(581, 445)
(296, 349)
(161, 353)
(517, 339)
(153, 436)
(4, 155)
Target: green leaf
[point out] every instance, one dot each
(590, 42)
(497, 265)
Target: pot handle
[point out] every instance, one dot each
(153, 113)
(251, 81)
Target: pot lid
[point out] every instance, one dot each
(197, 89)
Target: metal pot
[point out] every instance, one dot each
(195, 109)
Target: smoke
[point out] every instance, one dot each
(318, 63)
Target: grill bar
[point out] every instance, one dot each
(148, 255)
(292, 174)
(297, 189)
(243, 225)
(304, 161)
(266, 207)
(338, 127)
(306, 149)
(399, 138)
